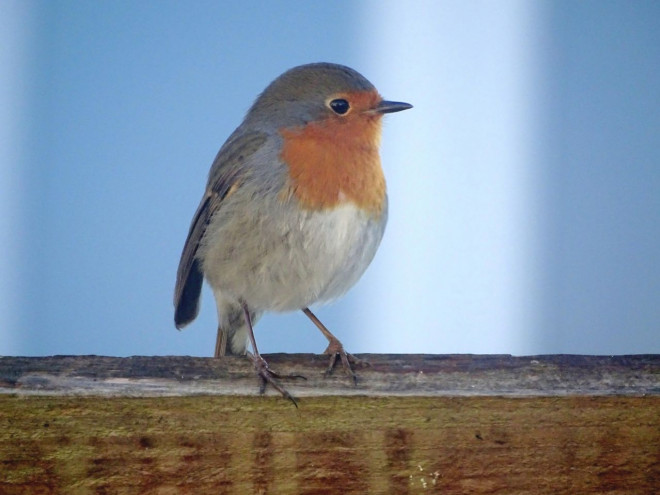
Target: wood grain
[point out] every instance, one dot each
(545, 430)
(379, 375)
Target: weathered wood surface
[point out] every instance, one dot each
(379, 375)
(549, 425)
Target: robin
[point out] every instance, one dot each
(294, 208)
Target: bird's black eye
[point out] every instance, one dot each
(340, 106)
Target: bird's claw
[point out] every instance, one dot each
(336, 351)
(269, 377)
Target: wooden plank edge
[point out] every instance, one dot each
(420, 375)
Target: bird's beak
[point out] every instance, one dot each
(390, 107)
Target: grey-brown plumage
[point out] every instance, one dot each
(264, 236)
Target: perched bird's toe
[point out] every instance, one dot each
(269, 377)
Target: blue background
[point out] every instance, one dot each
(524, 186)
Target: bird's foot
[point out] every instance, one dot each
(337, 353)
(269, 377)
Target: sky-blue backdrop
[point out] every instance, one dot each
(524, 185)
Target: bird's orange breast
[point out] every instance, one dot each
(336, 160)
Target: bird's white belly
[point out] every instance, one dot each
(292, 259)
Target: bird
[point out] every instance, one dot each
(293, 212)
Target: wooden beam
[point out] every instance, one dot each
(414, 424)
(379, 375)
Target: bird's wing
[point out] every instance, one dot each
(224, 178)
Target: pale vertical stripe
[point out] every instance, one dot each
(457, 269)
(14, 42)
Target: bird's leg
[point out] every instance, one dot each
(220, 343)
(335, 348)
(266, 375)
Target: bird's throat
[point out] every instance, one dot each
(336, 161)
